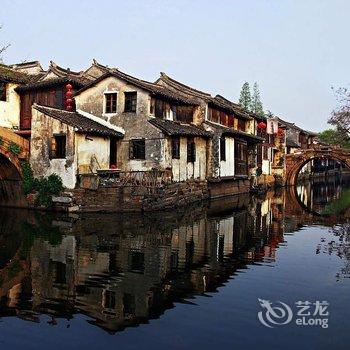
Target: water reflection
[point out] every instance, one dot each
(125, 270)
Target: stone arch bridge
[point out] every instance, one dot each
(295, 161)
(13, 150)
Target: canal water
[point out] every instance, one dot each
(269, 271)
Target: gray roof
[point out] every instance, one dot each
(80, 122)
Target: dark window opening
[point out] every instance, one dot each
(222, 148)
(183, 114)
(58, 147)
(191, 151)
(241, 125)
(3, 92)
(109, 302)
(113, 153)
(60, 272)
(111, 102)
(137, 261)
(129, 304)
(137, 149)
(175, 147)
(159, 111)
(130, 101)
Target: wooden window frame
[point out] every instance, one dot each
(58, 146)
(222, 148)
(137, 149)
(130, 101)
(110, 102)
(191, 150)
(175, 147)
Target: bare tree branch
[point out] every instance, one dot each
(3, 48)
(341, 116)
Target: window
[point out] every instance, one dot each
(184, 114)
(175, 147)
(222, 148)
(137, 261)
(130, 101)
(159, 109)
(111, 102)
(137, 149)
(109, 300)
(191, 151)
(241, 125)
(58, 147)
(241, 161)
(2, 91)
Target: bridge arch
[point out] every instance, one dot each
(10, 166)
(296, 161)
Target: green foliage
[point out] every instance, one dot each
(335, 137)
(14, 148)
(338, 206)
(256, 104)
(245, 99)
(1, 141)
(45, 187)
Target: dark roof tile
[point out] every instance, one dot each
(172, 128)
(78, 121)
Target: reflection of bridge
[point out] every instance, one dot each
(13, 149)
(295, 161)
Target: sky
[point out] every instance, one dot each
(296, 50)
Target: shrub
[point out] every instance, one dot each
(46, 187)
(14, 148)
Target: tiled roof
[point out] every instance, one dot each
(9, 75)
(291, 143)
(217, 101)
(224, 130)
(154, 89)
(172, 128)
(79, 121)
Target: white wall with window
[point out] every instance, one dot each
(9, 106)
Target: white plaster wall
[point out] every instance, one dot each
(9, 110)
(181, 169)
(227, 167)
(92, 153)
(266, 167)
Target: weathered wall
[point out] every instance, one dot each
(135, 124)
(92, 153)
(9, 110)
(134, 198)
(83, 154)
(181, 169)
(43, 129)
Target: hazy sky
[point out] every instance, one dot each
(295, 49)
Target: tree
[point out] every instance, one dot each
(256, 104)
(3, 48)
(245, 97)
(334, 137)
(340, 117)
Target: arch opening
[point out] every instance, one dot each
(8, 170)
(320, 181)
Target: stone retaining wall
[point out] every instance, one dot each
(132, 198)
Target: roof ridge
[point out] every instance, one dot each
(166, 77)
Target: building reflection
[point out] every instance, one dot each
(121, 271)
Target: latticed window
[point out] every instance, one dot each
(111, 102)
(130, 101)
(191, 150)
(137, 149)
